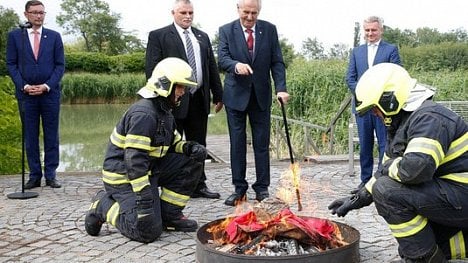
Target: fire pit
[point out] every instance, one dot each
(267, 234)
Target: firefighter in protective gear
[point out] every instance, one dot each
(146, 155)
(422, 188)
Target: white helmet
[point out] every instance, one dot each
(167, 73)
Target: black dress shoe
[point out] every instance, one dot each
(262, 195)
(32, 183)
(206, 193)
(235, 198)
(53, 183)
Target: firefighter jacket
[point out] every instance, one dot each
(145, 133)
(430, 142)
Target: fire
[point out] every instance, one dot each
(271, 219)
(290, 184)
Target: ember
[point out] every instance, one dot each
(271, 229)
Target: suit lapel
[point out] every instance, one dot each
(240, 39)
(178, 41)
(203, 45)
(258, 38)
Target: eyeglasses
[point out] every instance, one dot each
(37, 13)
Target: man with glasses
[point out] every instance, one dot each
(35, 61)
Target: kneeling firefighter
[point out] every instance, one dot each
(422, 188)
(145, 153)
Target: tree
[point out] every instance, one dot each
(97, 25)
(8, 20)
(287, 50)
(339, 51)
(313, 49)
(357, 34)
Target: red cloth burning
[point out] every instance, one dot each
(248, 223)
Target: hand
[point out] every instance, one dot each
(195, 151)
(283, 95)
(342, 206)
(218, 107)
(243, 69)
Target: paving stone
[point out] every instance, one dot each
(50, 228)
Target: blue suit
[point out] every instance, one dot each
(369, 122)
(48, 69)
(250, 95)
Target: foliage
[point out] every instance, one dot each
(94, 22)
(10, 129)
(101, 88)
(287, 50)
(101, 63)
(8, 21)
(313, 49)
(423, 36)
(443, 56)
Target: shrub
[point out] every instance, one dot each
(10, 129)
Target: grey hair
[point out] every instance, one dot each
(240, 3)
(176, 3)
(373, 19)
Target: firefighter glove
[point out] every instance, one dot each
(342, 206)
(195, 151)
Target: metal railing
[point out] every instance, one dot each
(303, 134)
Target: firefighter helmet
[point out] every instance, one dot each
(386, 86)
(167, 73)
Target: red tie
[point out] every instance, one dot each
(36, 43)
(250, 41)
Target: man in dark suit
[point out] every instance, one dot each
(375, 51)
(248, 51)
(192, 113)
(35, 61)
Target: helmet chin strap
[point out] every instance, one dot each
(387, 121)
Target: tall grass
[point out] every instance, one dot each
(317, 89)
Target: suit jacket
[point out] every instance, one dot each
(267, 58)
(23, 67)
(358, 64)
(358, 61)
(166, 42)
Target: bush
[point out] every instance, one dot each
(444, 56)
(10, 129)
(101, 63)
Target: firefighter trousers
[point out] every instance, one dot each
(425, 215)
(176, 174)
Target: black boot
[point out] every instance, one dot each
(182, 224)
(435, 256)
(93, 221)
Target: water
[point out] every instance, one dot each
(85, 131)
(84, 134)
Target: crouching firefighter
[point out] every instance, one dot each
(145, 153)
(422, 188)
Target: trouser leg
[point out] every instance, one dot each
(126, 216)
(412, 211)
(178, 176)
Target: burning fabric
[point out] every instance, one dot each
(271, 221)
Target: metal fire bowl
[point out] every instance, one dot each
(344, 254)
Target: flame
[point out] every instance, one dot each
(290, 184)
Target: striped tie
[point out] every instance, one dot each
(191, 55)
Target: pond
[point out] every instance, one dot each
(85, 131)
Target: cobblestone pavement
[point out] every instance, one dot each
(50, 228)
